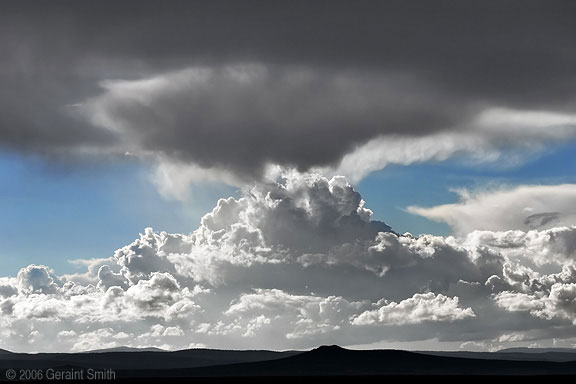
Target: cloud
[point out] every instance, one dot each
(205, 123)
(240, 118)
(523, 207)
(154, 294)
(37, 278)
(555, 245)
(555, 302)
(415, 310)
(494, 135)
(370, 84)
(304, 316)
(294, 264)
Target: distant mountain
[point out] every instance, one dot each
(337, 361)
(138, 360)
(323, 361)
(536, 350)
(127, 349)
(509, 355)
(3, 352)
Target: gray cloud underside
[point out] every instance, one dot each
(294, 265)
(337, 75)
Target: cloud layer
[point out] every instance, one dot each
(241, 118)
(238, 120)
(295, 264)
(524, 207)
(367, 84)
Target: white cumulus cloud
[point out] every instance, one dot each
(415, 310)
(294, 264)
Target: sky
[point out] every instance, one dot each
(255, 174)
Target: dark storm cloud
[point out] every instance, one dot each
(242, 117)
(412, 68)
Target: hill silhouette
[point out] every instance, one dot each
(537, 350)
(338, 361)
(332, 360)
(142, 360)
(126, 349)
(512, 354)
